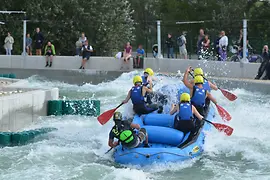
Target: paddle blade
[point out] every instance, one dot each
(228, 95)
(106, 116)
(224, 128)
(223, 113)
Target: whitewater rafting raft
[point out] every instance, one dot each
(165, 142)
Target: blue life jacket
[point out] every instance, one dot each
(144, 81)
(136, 95)
(185, 112)
(199, 96)
(206, 86)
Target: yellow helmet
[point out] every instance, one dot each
(198, 71)
(185, 97)
(198, 80)
(137, 79)
(149, 71)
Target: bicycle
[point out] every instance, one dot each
(251, 56)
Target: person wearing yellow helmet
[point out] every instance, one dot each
(137, 95)
(123, 130)
(184, 120)
(148, 77)
(207, 84)
(197, 92)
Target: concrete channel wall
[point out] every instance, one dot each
(212, 68)
(20, 106)
(98, 64)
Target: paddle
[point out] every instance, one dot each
(106, 116)
(230, 96)
(108, 150)
(221, 127)
(222, 112)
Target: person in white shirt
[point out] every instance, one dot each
(80, 43)
(9, 44)
(86, 53)
(181, 41)
(223, 43)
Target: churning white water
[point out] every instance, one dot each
(76, 150)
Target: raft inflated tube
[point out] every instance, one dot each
(164, 120)
(164, 135)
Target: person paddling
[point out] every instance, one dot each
(148, 77)
(137, 94)
(125, 133)
(207, 84)
(198, 92)
(184, 120)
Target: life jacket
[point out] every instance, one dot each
(136, 95)
(144, 81)
(206, 86)
(124, 133)
(185, 112)
(198, 97)
(85, 52)
(49, 49)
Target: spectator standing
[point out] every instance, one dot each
(199, 43)
(139, 56)
(86, 53)
(241, 43)
(217, 47)
(49, 53)
(80, 43)
(206, 43)
(127, 52)
(205, 47)
(223, 43)
(265, 65)
(169, 43)
(9, 41)
(39, 38)
(181, 42)
(28, 44)
(155, 50)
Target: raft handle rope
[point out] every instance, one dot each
(148, 155)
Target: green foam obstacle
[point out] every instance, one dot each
(55, 107)
(21, 138)
(11, 75)
(74, 107)
(5, 138)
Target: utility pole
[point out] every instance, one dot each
(244, 60)
(159, 39)
(24, 35)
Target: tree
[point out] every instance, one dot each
(107, 24)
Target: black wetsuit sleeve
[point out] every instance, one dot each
(111, 135)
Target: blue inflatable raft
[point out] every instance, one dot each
(164, 141)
